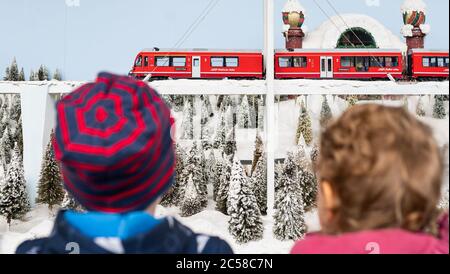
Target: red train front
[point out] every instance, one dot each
(198, 63)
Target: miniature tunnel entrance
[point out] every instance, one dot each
(356, 38)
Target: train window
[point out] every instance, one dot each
(138, 62)
(284, 62)
(299, 62)
(162, 61)
(425, 62)
(146, 61)
(441, 62)
(433, 62)
(217, 62)
(347, 61)
(391, 61)
(232, 62)
(362, 63)
(377, 62)
(179, 61)
(446, 62)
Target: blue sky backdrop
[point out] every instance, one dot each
(83, 37)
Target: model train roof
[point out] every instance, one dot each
(199, 50)
(430, 50)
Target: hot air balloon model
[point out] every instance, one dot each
(293, 19)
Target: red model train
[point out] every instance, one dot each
(199, 63)
(297, 64)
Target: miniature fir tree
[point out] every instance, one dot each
(314, 155)
(220, 136)
(230, 144)
(443, 203)
(14, 73)
(308, 185)
(21, 75)
(304, 127)
(57, 75)
(420, 110)
(13, 194)
(172, 196)
(405, 103)
(224, 186)
(289, 222)
(325, 114)
(187, 126)
(217, 175)
(244, 113)
(69, 203)
(50, 189)
(210, 167)
(259, 178)
(257, 153)
(6, 77)
(194, 168)
(42, 73)
(6, 146)
(245, 222)
(261, 111)
(191, 204)
(439, 108)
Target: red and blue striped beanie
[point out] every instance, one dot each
(113, 140)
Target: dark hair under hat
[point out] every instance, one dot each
(113, 140)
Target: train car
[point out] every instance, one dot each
(428, 64)
(198, 64)
(338, 64)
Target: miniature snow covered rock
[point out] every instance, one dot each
(245, 222)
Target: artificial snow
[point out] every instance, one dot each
(293, 5)
(414, 5)
(407, 30)
(425, 28)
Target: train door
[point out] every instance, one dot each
(196, 66)
(326, 67)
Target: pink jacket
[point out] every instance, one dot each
(388, 241)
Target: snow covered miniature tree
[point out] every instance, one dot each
(257, 153)
(308, 185)
(15, 110)
(217, 175)
(325, 113)
(220, 135)
(192, 203)
(6, 77)
(420, 111)
(206, 131)
(289, 221)
(57, 75)
(210, 167)
(245, 223)
(5, 147)
(50, 188)
(439, 108)
(69, 203)
(304, 127)
(259, 178)
(244, 113)
(352, 100)
(196, 167)
(443, 203)
(306, 178)
(172, 196)
(13, 194)
(224, 186)
(230, 143)
(314, 155)
(21, 75)
(43, 73)
(187, 126)
(261, 111)
(13, 71)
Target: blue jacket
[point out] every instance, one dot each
(135, 233)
